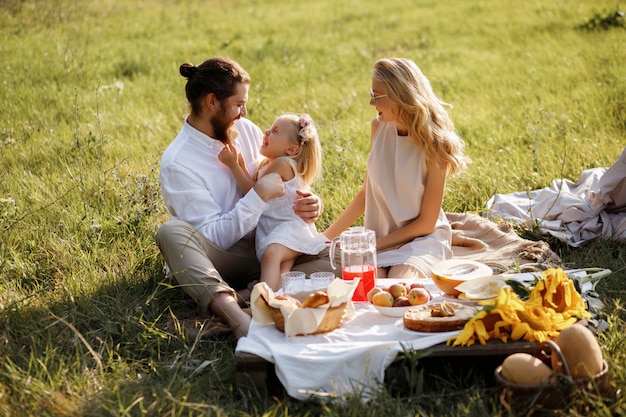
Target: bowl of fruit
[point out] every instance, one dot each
(393, 300)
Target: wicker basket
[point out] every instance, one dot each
(543, 399)
(332, 318)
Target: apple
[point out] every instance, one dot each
(382, 299)
(397, 290)
(418, 296)
(371, 293)
(401, 301)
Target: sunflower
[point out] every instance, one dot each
(494, 321)
(553, 305)
(473, 329)
(538, 324)
(556, 291)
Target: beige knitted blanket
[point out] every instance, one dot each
(498, 245)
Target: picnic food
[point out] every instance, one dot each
(383, 299)
(286, 297)
(581, 352)
(525, 369)
(418, 295)
(450, 273)
(528, 381)
(401, 301)
(327, 309)
(332, 316)
(397, 290)
(399, 295)
(315, 300)
(437, 317)
(482, 288)
(370, 293)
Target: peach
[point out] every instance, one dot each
(397, 290)
(371, 293)
(382, 299)
(418, 296)
(401, 301)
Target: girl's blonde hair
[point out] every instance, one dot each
(309, 157)
(417, 106)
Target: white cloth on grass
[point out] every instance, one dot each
(348, 360)
(574, 212)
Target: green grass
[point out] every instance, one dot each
(92, 96)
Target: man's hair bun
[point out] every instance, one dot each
(187, 70)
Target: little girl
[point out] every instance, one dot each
(414, 147)
(292, 150)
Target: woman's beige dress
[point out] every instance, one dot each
(396, 178)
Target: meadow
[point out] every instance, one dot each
(91, 96)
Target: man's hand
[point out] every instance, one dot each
(308, 206)
(269, 186)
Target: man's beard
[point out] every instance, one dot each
(223, 129)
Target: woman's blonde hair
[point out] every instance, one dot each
(309, 157)
(418, 108)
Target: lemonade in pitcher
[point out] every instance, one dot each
(358, 259)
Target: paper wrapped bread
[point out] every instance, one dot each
(291, 314)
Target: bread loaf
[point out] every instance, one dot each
(288, 298)
(314, 300)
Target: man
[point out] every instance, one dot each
(208, 244)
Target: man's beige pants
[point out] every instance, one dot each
(202, 269)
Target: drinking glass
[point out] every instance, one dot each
(321, 279)
(292, 281)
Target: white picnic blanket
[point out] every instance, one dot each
(595, 206)
(348, 360)
(351, 359)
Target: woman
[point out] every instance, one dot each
(414, 148)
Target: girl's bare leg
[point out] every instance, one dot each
(276, 259)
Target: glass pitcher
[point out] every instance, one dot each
(358, 258)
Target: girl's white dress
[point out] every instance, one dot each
(279, 224)
(396, 178)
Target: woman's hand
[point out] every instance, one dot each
(308, 206)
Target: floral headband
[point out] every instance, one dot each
(305, 121)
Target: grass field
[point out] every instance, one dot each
(91, 96)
